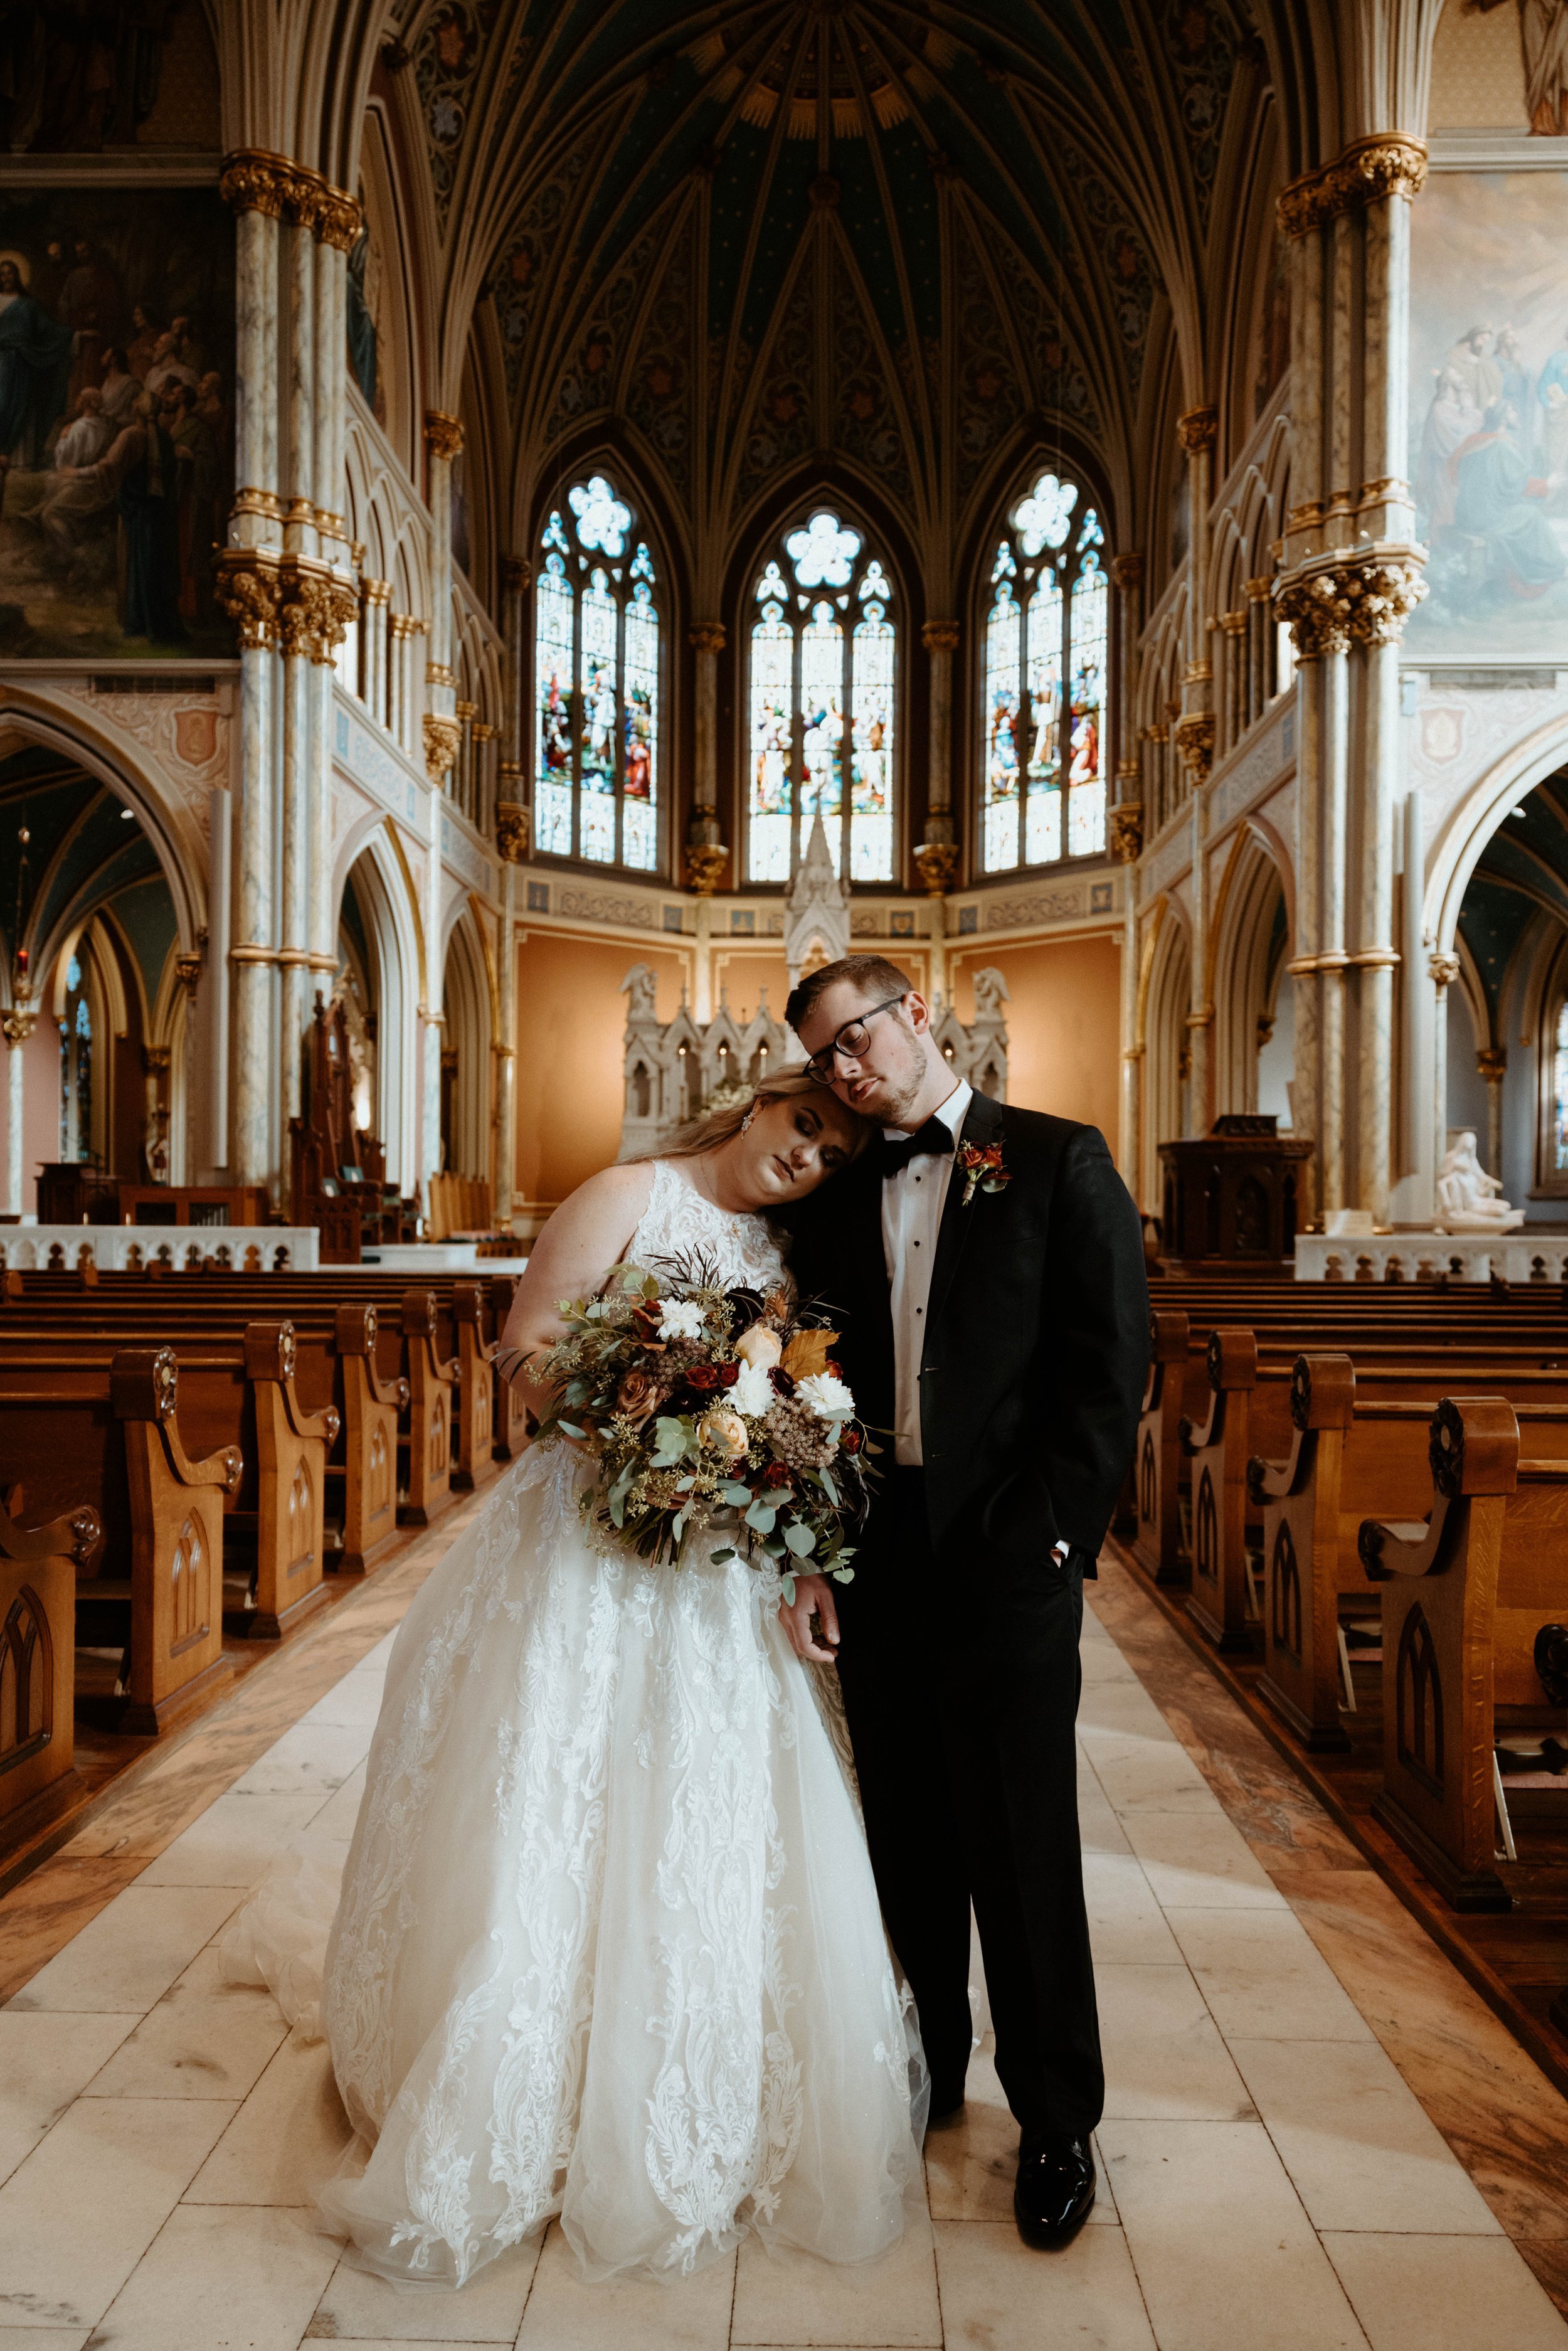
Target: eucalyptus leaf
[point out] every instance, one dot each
(762, 1517)
(786, 1587)
(570, 1429)
(737, 1496)
(721, 1558)
(801, 1540)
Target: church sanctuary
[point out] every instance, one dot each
(529, 528)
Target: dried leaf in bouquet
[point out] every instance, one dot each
(807, 1353)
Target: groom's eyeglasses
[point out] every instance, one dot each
(850, 1041)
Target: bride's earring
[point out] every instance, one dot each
(750, 1115)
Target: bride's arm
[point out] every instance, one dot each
(586, 1237)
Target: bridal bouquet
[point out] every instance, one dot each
(708, 1406)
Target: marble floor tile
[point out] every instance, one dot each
(357, 2308)
(338, 1815)
(31, 2338)
(566, 2314)
(207, 2038)
(789, 2298)
(1000, 2295)
(79, 2214)
(1102, 1660)
(284, 2140)
(1122, 1709)
(1263, 1977)
(1125, 1923)
(1099, 1829)
(319, 1756)
(1437, 2293)
(970, 2165)
(1198, 1862)
(46, 2061)
(1226, 2257)
(1143, 1775)
(233, 1841)
(352, 1705)
(126, 1959)
(1164, 2055)
(1355, 2140)
(243, 2279)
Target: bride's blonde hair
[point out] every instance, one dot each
(716, 1127)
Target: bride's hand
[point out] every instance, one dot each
(813, 1597)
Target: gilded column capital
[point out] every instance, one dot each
(939, 636)
(1491, 1063)
(155, 1061)
(517, 574)
(246, 587)
(1126, 832)
(253, 180)
(1388, 163)
(338, 218)
(1443, 970)
(438, 674)
(512, 825)
(706, 862)
(1198, 429)
(376, 591)
(442, 433)
(1127, 572)
(1383, 591)
(707, 636)
(1195, 742)
(188, 972)
(314, 610)
(1316, 609)
(442, 738)
(1258, 591)
(19, 1023)
(937, 864)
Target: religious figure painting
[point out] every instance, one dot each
(116, 356)
(1489, 415)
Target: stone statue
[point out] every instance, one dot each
(990, 993)
(641, 990)
(1469, 1199)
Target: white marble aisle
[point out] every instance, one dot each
(1268, 2183)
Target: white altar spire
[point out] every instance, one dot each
(816, 909)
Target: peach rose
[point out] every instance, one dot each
(636, 1395)
(723, 1430)
(759, 1345)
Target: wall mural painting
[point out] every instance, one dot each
(117, 348)
(1489, 415)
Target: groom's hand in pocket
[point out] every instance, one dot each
(813, 1597)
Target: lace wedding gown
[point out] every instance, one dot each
(608, 1945)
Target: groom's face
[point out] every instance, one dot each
(887, 1076)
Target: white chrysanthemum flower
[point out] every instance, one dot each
(753, 1392)
(829, 1398)
(680, 1318)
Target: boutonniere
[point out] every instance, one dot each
(984, 1170)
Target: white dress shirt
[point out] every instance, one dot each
(912, 1205)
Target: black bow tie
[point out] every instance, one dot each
(934, 1136)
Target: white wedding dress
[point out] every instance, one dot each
(608, 1945)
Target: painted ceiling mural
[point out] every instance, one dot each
(886, 232)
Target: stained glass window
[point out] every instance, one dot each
(1560, 1096)
(822, 699)
(596, 684)
(1044, 646)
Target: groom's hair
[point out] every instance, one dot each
(873, 973)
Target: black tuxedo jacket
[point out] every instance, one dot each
(1037, 1332)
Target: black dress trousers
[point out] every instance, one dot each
(962, 1695)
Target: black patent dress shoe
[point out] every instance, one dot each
(1054, 2192)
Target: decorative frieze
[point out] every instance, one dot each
(606, 906)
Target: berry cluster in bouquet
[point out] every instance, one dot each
(706, 1405)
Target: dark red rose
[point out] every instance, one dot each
(782, 1383)
(704, 1378)
(851, 1440)
(835, 1368)
(727, 1374)
(775, 1474)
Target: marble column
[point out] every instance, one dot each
(442, 734)
(1128, 821)
(705, 852)
(1198, 430)
(939, 856)
(513, 817)
(18, 1025)
(1492, 1066)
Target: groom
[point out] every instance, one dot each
(988, 1265)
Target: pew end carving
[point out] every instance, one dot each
(37, 1650)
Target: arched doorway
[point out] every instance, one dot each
(376, 979)
(465, 1075)
(1253, 999)
(1167, 1049)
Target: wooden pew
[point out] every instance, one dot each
(37, 1649)
(1156, 1538)
(1349, 1459)
(477, 1454)
(1470, 1597)
(371, 1410)
(426, 1451)
(1248, 1416)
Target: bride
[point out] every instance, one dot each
(607, 1945)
